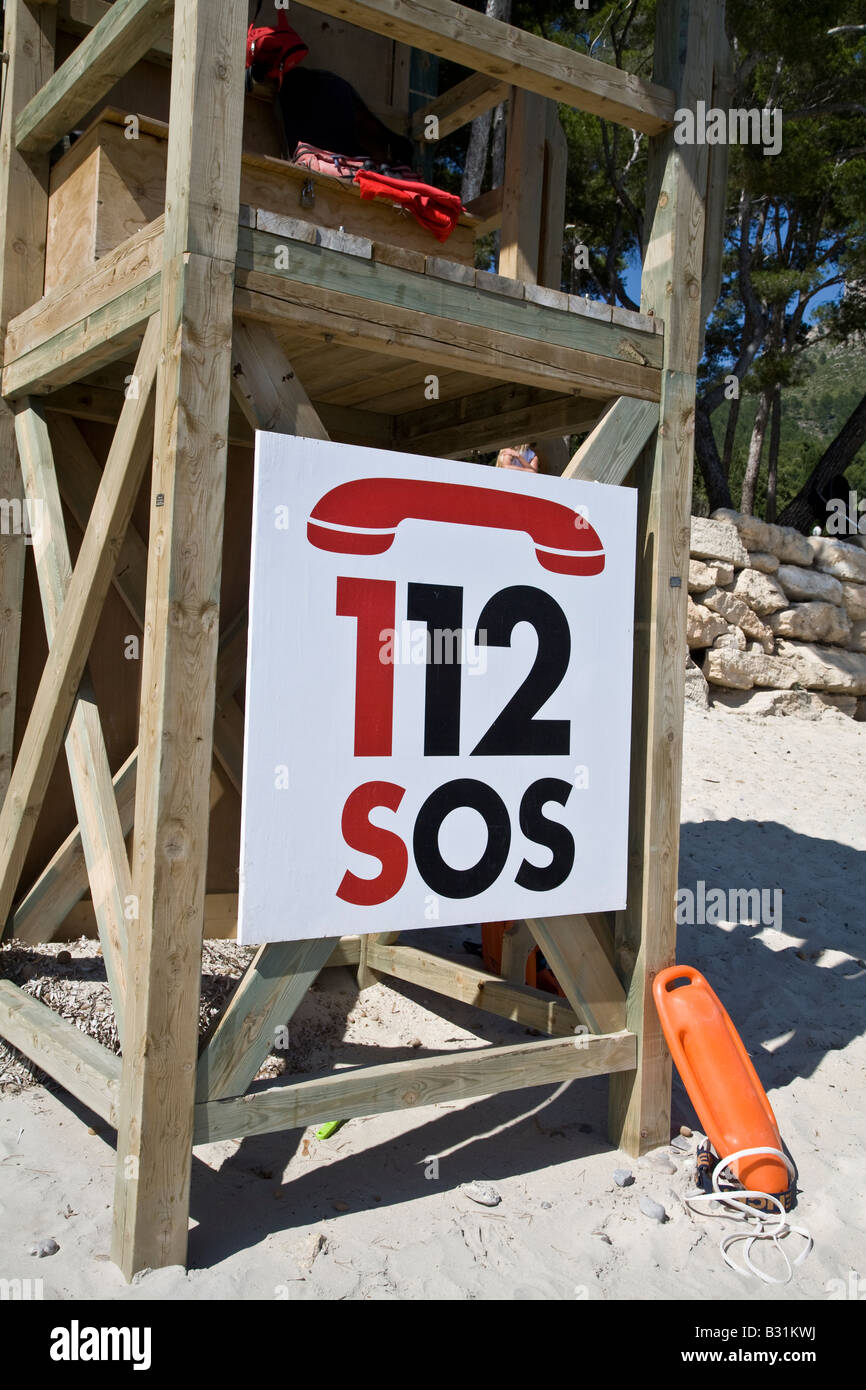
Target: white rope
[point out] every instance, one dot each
(736, 1198)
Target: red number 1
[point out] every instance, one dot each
(373, 602)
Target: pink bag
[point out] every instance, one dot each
(341, 166)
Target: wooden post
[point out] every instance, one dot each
(671, 288)
(524, 187)
(181, 631)
(28, 38)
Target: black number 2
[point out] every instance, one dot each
(516, 730)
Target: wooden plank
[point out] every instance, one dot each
(582, 969)
(266, 387)
(512, 55)
(63, 882)
(385, 285)
(552, 234)
(610, 451)
(87, 1069)
(460, 105)
(52, 705)
(179, 655)
(413, 1085)
(104, 336)
(646, 932)
(532, 1008)
(517, 945)
(487, 208)
(520, 249)
(113, 46)
(444, 342)
(80, 16)
(89, 769)
(266, 999)
(491, 419)
(28, 39)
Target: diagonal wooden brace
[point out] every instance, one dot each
(128, 458)
(89, 769)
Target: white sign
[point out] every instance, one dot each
(438, 693)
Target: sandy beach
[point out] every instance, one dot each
(377, 1211)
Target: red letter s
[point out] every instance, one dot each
(383, 845)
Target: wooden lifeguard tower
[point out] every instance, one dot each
(168, 284)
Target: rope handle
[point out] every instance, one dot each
(738, 1200)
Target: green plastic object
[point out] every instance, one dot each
(329, 1129)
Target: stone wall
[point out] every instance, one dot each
(772, 610)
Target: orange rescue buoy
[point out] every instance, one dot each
(716, 1071)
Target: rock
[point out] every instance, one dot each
(703, 576)
(753, 532)
(315, 1244)
(655, 1210)
(763, 594)
(697, 691)
(482, 1193)
(824, 668)
(854, 599)
(546, 1206)
(857, 640)
(702, 626)
(732, 640)
(743, 670)
(686, 1132)
(839, 558)
(762, 703)
(622, 1177)
(783, 541)
(845, 704)
(739, 615)
(813, 622)
(717, 540)
(42, 1248)
(801, 583)
(763, 561)
(681, 1143)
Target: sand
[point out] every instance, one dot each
(377, 1212)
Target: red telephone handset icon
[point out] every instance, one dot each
(362, 517)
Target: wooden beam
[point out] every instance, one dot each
(512, 55)
(266, 998)
(492, 419)
(179, 656)
(123, 35)
(552, 233)
(87, 1069)
(93, 321)
(266, 387)
(487, 207)
(582, 969)
(413, 1085)
(80, 16)
(89, 769)
(28, 39)
(520, 249)
(410, 333)
(460, 105)
(610, 451)
(373, 285)
(64, 882)
(646, 932)
(52, 705)
(533, 1008)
